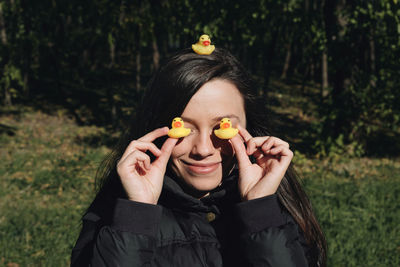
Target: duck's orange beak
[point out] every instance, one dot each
(206, 43)
(177, 124)
(225, 125)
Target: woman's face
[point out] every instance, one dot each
(202, 159)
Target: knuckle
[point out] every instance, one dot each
(136, 153)
(134, 143)
(286, 144)
(251, 141)
(276, 139)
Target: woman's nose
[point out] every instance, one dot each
(203, 145)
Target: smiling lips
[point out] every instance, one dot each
(202, 168)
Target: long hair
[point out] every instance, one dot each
(167, 95)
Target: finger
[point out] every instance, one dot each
(258, 154)
(142, 146)
(166, 150)
(137, 156)
(254, 143)
(140, 167)
(244, 133)
(282, 151)
(240, 150)
(274, 141)
(151, 136)
(132, 159)
(146, 164)
(283, 154)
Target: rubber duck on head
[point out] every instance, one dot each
(203, 46)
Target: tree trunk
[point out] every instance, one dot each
(325, 83)
(27, 50)
(287, 60)
(327, 26)
(156, 53)
(138, 70)
(138, 63)
(2, 27)
(269, 55)
(110, 91)
(312, 71)
(4, 42)
(26, 85)
(372, 58)
(112, 54)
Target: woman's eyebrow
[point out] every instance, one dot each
(192, 121)
(185, 119)
(230, 116)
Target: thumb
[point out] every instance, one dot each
(166, 150)
(240, 150)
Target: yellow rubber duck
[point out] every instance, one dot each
(225, 130)
(203, 46)
(178, 130)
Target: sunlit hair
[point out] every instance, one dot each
(167, 95)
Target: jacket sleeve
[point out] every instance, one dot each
(269, 236)
(130, 239)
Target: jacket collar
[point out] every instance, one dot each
(173, 196)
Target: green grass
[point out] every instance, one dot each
(46, 183)
(47, 173)
(357, 202)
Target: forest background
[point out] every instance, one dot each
(73, 72)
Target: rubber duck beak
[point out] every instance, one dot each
(177, 124)
(225, 125)
(206, 43)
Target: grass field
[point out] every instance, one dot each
(47, 173)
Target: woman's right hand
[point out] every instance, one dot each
(142, 179)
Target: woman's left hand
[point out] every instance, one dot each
(272, 156)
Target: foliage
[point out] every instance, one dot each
(95, 57)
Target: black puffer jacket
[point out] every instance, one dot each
(217, 230)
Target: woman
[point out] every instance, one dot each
(199, 200)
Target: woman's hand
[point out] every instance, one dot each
(142, 179)
(273, 157)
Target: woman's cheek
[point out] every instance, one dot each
(182, 147)
(227, 149)
(224, 146)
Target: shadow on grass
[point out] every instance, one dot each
(291, 130)
(383, 144)
(95, 140)
(5, 129)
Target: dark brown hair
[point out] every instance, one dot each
(167, 95)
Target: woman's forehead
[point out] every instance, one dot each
(216, 99)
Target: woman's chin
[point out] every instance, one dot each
(200, 187)
(198, 183)
(205, 186)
